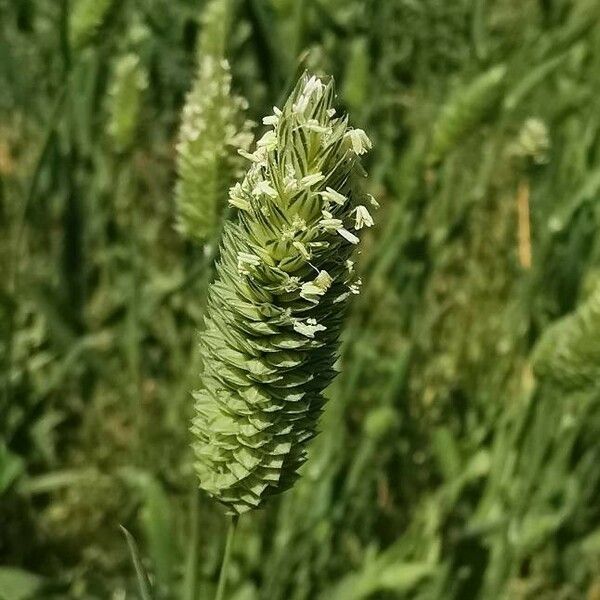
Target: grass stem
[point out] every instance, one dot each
(190, 581)
(226, 556)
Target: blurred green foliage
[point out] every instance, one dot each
(448, 467)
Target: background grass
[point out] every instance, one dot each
(445, 469)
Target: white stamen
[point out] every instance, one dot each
(331, 195)
(252, 157)
(268, 141)
(361, 144)
(270, 120)
(348, 236)
(308, 328)
(264, 188)
(363, 218)
(302, 249)
(247, 262)
(311, 180)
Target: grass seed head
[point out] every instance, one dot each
(129, 80)
(283, 283)
(568, 354)
(213, 128)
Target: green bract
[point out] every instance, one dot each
(274, 312)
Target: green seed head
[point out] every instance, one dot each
(275, 309)
(464, 111)
(125, 100)
(213, 127)
(86, 18)
(567, 356)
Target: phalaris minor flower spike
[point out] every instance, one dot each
(274, 312)
(213, 127)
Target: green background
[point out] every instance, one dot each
(458, 456)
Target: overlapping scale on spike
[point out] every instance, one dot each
(277, 304)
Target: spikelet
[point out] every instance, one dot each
(212, 130)
(274, 312)
(86, 18)
(568, 354)
(129, 80)
(464, 111)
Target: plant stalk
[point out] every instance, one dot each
(226, 556)
(190, 582)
